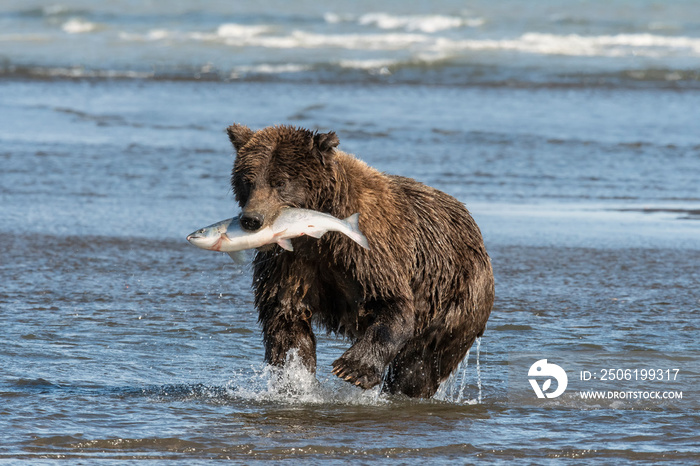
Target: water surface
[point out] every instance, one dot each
(123, 342)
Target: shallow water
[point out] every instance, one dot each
(123, 342)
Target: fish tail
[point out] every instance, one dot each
(355, 234)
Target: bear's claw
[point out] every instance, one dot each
(362, 375)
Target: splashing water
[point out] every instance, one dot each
(295, 384)
(453, 391)
(463, 382)
(478, 367)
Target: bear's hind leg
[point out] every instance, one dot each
(425, 362)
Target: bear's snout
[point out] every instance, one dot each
(252, 221)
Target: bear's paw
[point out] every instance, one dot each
(362, 374)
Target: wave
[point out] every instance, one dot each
(231, 33)
(242, 30)
(606, 46)
(373, 65)
(422, 23)
(394, 50)
(428, 24)
(620, 45)
(238, 35)
(311, 40)
(78, 26)
(268, 68)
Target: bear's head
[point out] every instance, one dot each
(277, 167)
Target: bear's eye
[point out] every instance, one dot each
(278, 184)
(247, 183)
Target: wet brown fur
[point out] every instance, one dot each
(412, 305)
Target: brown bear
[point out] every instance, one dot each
(412, 304)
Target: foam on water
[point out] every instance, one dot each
(430, 23)
(426, 23)
(620, 45)
(267, 68)
(380, 65)
(304, 39)
(256, 35)
(78, 26)
(241, 30)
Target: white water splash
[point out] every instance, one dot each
(454, 389)
(294, 384)
(463, 381)
(478, 367)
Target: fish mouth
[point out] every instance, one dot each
(198, 240)
(194, 237)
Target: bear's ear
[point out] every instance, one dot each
(239, 135)
(323, 145)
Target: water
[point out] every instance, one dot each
(640, 42)
(569, 130)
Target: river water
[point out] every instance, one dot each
(569, 131)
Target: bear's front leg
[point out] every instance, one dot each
(364, 363)
(287, 331)
(286, 302)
